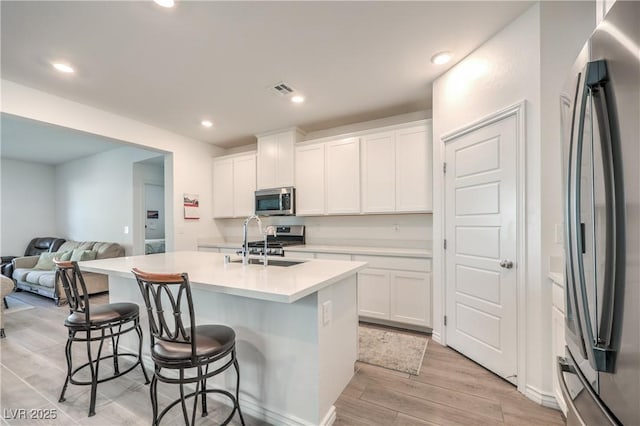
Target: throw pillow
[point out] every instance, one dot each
(80, 255)
(45, 261)
(64, 255)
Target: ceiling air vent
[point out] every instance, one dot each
(283, 89)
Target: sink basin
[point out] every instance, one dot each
(271, 262)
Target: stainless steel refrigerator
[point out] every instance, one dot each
(600, 375)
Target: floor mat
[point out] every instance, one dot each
(391, 349)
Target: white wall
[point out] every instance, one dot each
(527, 60)
(393, 230)
(95, 196)
(28, 196)
(187, 170)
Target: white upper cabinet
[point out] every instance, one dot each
(414, 167)
(378, 173)
(328, 178)
(276, 158)
(343, 176)
(310, 179)
(223, 188)
(397, 170)
(234, 184)
(244, 185)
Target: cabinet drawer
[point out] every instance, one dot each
(402, 263)
(333, 256)
(299, 254)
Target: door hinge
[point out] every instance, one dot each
(445, 320)
(444, 167)
(445, 244)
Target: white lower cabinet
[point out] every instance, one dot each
(373, 293)
(410, 298)
(395, 289)
(557, 338)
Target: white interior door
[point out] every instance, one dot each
(481, 223)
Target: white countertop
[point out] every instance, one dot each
(362, 250)
(209, 272)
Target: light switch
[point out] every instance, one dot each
(326, 312)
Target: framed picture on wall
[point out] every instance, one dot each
(191, 206)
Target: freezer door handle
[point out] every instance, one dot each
(573, 415)
(578, 400)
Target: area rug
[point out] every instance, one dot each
(391, 349)
(16, 305)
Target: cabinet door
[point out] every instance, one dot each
(378, 173)
(413, 169)
(267, 161)
(373, 293)
(410, 298)
(286, 157)
(343, 176)
(310, 180)
(557, 349)
(223, 188)
(244, 185)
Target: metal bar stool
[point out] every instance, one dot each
(89, 324)
(176, 345)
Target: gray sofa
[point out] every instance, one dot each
(37, 273)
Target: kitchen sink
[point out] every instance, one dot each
(271, 262)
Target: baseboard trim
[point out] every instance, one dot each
(435, 336)
(546, 399)
(250, 407)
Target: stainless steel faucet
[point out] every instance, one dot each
(245, 243)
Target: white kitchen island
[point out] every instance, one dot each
(296, 326)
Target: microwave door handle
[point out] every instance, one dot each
(614, 262)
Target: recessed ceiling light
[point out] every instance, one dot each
(165, 3)
(63, 67)
(441, 58)
(206, 123)
(297, 99)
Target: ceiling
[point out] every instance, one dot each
(172, 68)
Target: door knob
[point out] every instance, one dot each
(506, 263)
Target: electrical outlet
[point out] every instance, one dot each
(326, 312)
(126, 229)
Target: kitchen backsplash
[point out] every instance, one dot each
(401, 230)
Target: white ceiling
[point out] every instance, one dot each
(34, 141)
(171, 68)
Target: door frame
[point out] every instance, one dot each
(519, 111)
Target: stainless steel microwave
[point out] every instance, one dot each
(276, 201)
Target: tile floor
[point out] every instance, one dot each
(450, 389)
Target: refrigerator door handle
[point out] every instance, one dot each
(572, 319)
(597, 80)
(577, 237)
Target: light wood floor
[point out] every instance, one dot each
(450, 389)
